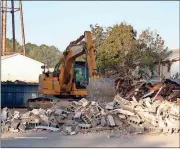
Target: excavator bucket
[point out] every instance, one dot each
(101, 89)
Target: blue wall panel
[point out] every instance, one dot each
(16, 95)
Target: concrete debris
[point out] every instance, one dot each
(73, 133)
(5, 127)
(35, 111)
(13, 130)
(111, 120)
(103, 121)
(117, 120)
(16, 115)
(125, 112)
(15, 123)
(144, 108)
(77, 115)
(47, 128)
(22, 127)
(84, 126)
(121, 116)
(58, 112)
(68, 129)
(4, 114)
(83, 102)
(110, 106)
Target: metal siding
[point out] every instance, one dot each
(19, 99)
(3, 96)
(16, 95)
(9, 99)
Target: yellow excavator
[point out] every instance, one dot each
(70, 78)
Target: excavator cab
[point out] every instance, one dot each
(81, 77)
(56, 71)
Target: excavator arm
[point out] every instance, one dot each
(76, 49)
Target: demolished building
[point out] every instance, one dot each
(142, 108)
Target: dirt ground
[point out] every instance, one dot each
(56, 139)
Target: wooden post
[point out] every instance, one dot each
(4, 20)
(13, 26)
(22, 27)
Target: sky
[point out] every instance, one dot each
(60, 22)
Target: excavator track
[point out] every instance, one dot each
(40, 102)
(46, 102)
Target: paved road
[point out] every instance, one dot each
(55, 139)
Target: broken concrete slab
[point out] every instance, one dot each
(77, 115)
(121, 116)
(84, 126)
(77, 129)
(70, 116)
(84, 102)
(117, 121)
(22, 127)
(73, 133)
(125, 112)
(47, 128)
(58, 111)
(4, 114)
(5, 127)
(15, 123)
(86, 119)
(111, 120)
(148, 105)
(13, 130)
(16, 115)
(68, 129)
(35, 111)
(70, 122)
(103, 121)
(110, 105)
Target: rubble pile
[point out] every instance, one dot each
(152, 115)
(146, 110)
(166, 90)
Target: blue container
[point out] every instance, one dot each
(16, 95)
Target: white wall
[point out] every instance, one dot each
(21, 68)
(175, 68)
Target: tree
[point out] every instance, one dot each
(116, 52)
(9, 46)
(152, 50)
(121, 52)
(43, 53)
(98, 34)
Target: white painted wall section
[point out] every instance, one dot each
(19, 67)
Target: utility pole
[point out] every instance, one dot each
(13, 25)
(12, 10)
(22, 27)
(4, 20)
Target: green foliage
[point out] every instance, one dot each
(152, 50)
(98, 34)
(43, 53)
(120, 51)
(9, 46)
